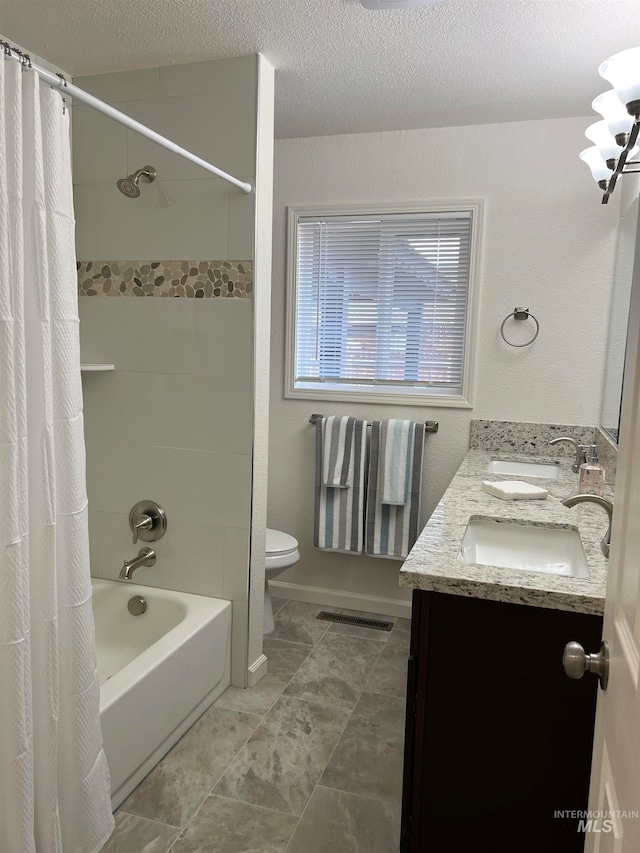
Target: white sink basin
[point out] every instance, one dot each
(547, 470)
(509, 545)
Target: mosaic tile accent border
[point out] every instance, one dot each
(186, 279)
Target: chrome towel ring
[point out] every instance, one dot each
(520, 314)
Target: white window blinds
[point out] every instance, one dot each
(381, 302)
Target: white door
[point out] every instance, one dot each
(615, 778)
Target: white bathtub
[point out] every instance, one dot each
(158, 672)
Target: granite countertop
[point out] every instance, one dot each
(433, 562)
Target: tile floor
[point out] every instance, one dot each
(308, 761)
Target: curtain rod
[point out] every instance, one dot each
(57, 81)
(429, 426)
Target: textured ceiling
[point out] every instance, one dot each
(344, 69)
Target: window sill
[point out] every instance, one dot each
(449, 401)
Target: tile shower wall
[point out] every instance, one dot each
(208, 108)
(173, 421)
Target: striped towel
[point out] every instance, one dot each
(337, 440)
(392, 529)
(339, 511)
(396, 461)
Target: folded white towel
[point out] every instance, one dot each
(515, 490)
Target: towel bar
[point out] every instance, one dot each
(429, 426)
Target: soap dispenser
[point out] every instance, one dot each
(591, 474)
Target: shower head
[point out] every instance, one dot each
(129, 186)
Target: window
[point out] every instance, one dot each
(382, 303)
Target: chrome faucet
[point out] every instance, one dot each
(581, 451)
(606, 505)
(146, 557)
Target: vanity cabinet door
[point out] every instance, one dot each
(498, 739)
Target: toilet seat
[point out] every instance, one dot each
(279, 543)
(281, 550)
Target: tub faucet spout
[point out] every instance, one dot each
(146, 557)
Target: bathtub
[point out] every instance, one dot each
(158, 672)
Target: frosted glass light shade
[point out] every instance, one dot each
(613, 112)
(599, 134)
(622, 70)
(599, 169)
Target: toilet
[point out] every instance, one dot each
(281, 552)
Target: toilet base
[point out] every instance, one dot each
(274, 565)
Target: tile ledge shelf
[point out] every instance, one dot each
(92, 367)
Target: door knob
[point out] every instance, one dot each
(576, 662)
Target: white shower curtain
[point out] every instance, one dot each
(54, 780)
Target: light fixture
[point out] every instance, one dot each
(600, 172)
(615, 137)
(606, 145)
(622, 70)
(609, 149)
(615, 114)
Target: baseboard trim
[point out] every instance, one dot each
(256, 671)
(341, 598)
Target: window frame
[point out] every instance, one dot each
(464, 400)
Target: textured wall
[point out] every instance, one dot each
(548, 244)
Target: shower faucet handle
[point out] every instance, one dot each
(148, 521)
(145, 523)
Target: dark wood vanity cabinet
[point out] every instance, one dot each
(498, 738)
